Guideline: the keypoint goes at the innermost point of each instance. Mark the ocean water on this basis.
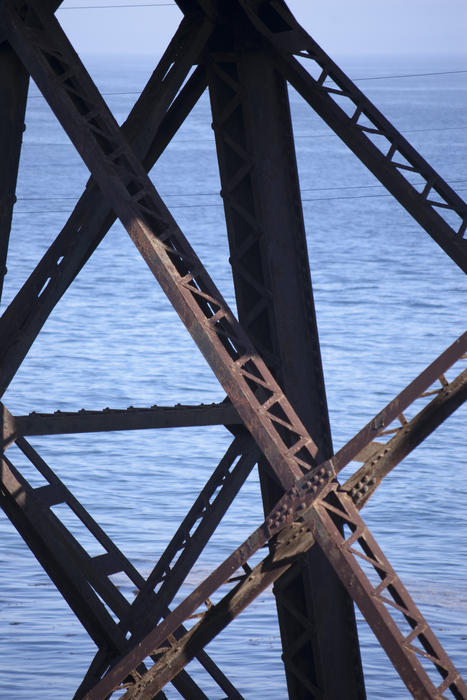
(388, 302)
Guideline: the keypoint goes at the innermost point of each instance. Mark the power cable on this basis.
(219, 204)
(296, 136)
(215, 194)
(379, 77)
(409, 75)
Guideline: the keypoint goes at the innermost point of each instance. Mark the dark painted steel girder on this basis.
(271, 273)
(352, 116)
(194, 532)
(14, 82)
(83, 421)
(80, 580)
(268, 250)
(358, 123)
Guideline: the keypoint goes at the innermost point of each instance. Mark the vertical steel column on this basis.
(14, 82)
(252, 124)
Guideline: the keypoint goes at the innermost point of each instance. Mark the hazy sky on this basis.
(341, 27)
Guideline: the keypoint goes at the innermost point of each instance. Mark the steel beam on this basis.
(449, 358)
(384, 457)
(84, 115)
(297, 450)
(193, 534)
(14, 82)
(83, 421)
(312, 511)
(394, 160)
(448, 397)
(271, 272)
(182, 552)
(58, 552)
(353, 117)
(149, 127)
(82, 578)
(254, 391)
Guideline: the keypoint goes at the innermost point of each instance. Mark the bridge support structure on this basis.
(268, 361)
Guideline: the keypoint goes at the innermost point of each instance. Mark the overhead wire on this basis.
(299, 136)
(369, 77)
(296, 136)
(219, 204)
(211, 194)
(215, 194)
(410, 75)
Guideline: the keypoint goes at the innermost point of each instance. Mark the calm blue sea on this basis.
(388, 302)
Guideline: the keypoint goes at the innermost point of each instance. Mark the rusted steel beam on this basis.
(453, 354)
(8, 432)
(184, 684)
(212, 623)
(354, 118)
(314, 510)
(447, 399)
(131, 418)
(300, 496)
(149, 129)
(84, 115)
(386, 456)
(409, 642)
(271, 273)
(14, 82)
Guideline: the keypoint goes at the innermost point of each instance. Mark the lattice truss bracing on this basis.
(244, 52)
